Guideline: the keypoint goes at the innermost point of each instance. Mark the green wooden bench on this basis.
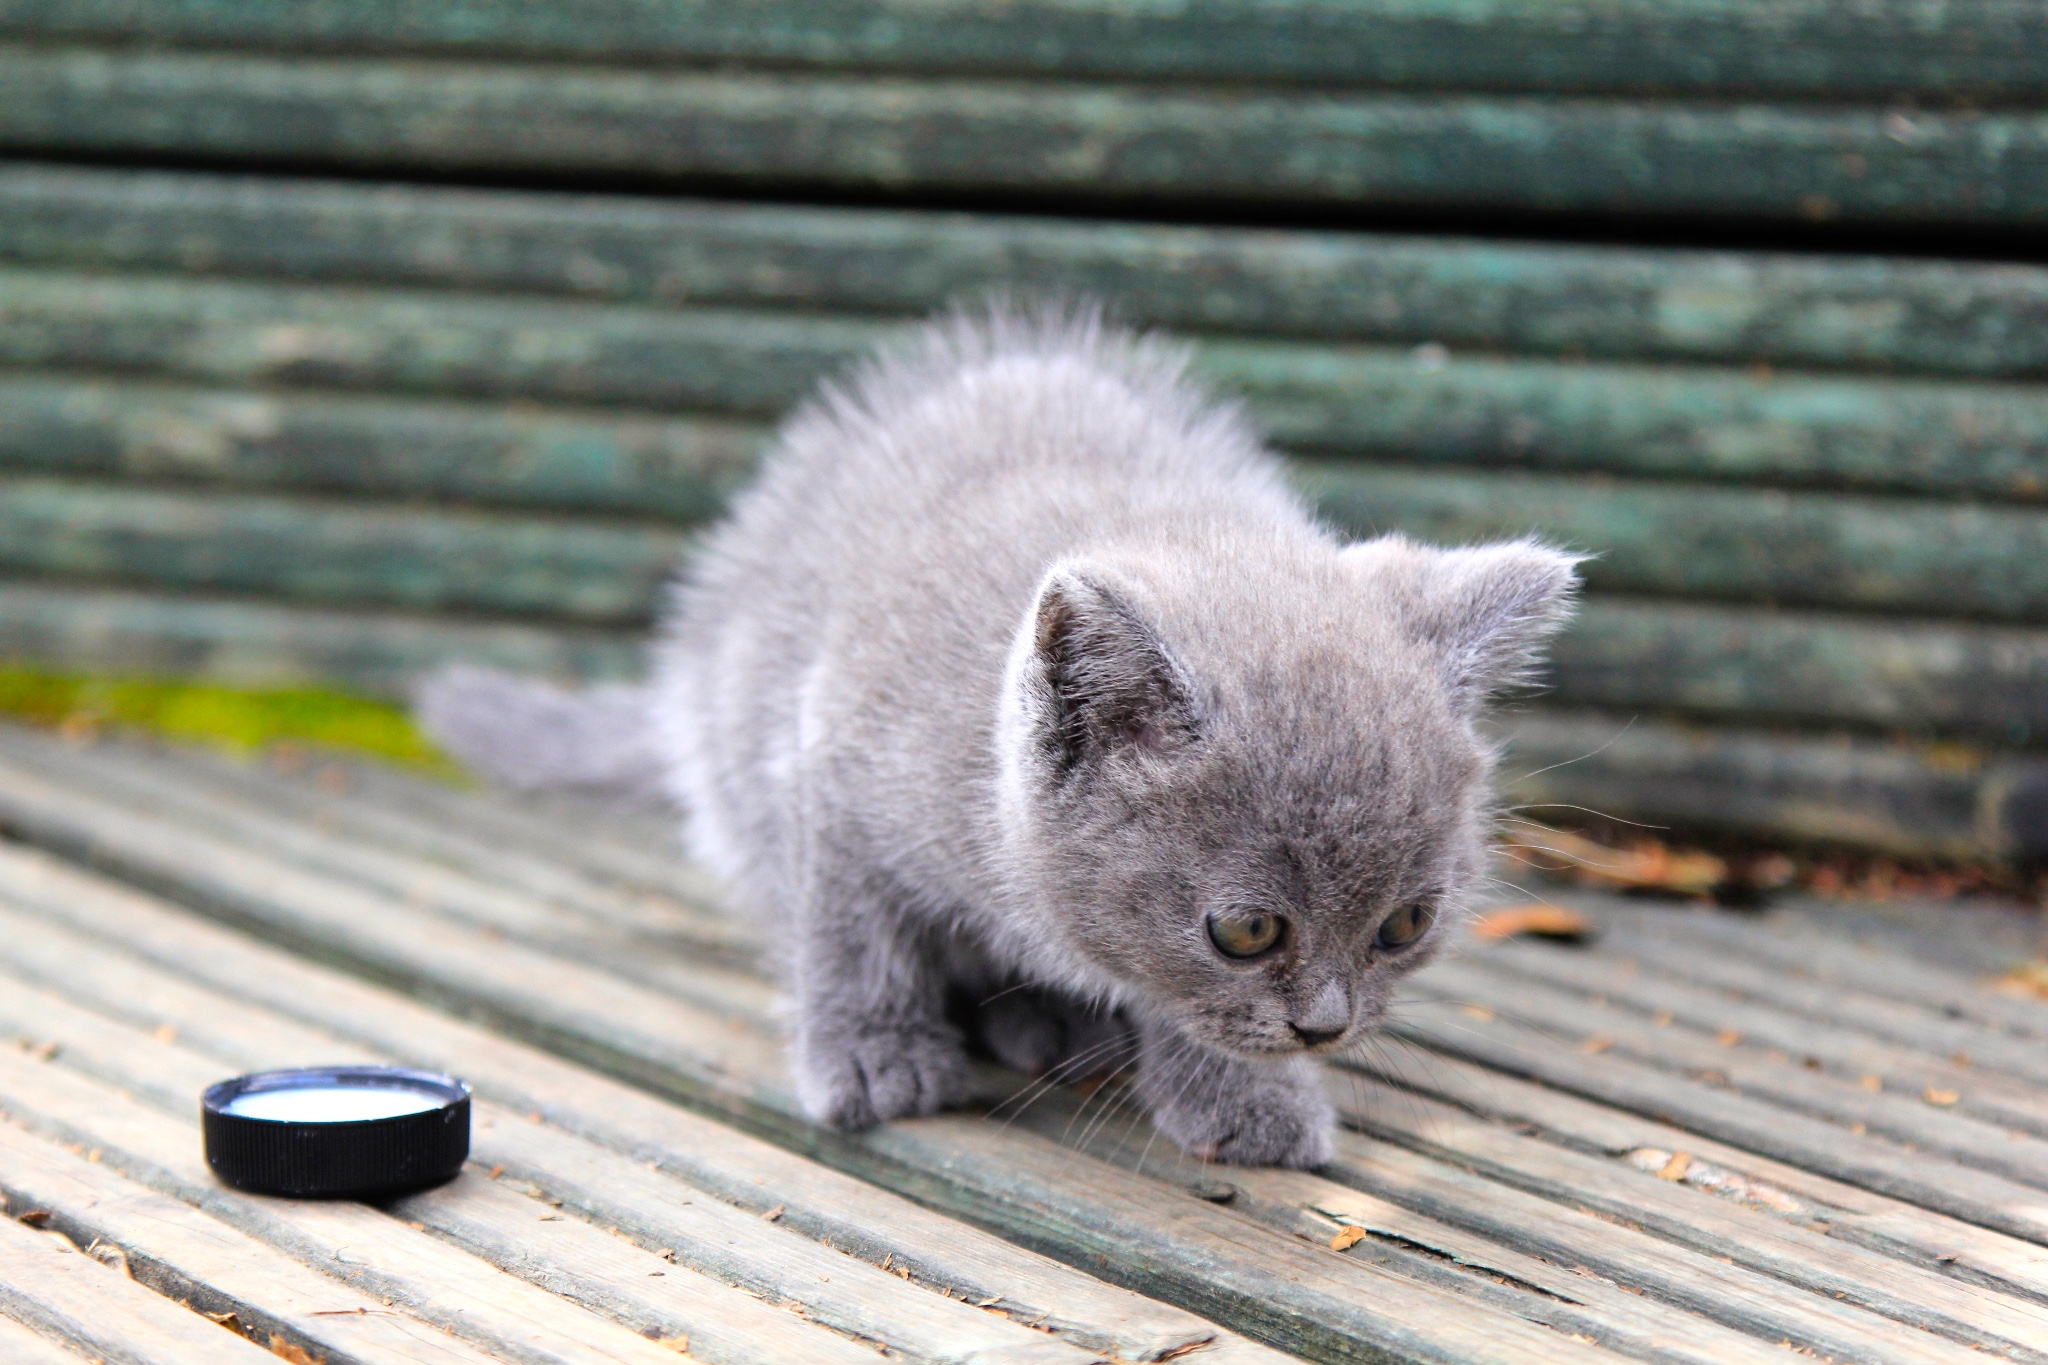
(341, 339)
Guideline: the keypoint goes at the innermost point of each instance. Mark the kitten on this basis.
(1021, 678)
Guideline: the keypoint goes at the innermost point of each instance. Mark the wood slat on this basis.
(28, 1347)
(203, 1264)
(1867, 1289)
(50, 1284)
(1927, 436)
(1100, 142)
(1812, 549)
(1952, 317)
(1983, 50)
(636, 464)
(1169, 1243)
(1916, 800)
(336, 552)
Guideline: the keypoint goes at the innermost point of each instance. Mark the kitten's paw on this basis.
(1037, 1032)
(1244, 1114)
(855, 1079)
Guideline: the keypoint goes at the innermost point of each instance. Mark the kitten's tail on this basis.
(531, 735)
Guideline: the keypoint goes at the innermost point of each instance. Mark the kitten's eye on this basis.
(1244, 933)
(1404, 926)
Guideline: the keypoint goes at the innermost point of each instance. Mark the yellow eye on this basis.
(1244, 933)
(1404, 926)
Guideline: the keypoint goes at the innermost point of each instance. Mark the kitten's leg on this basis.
(1221, 1108)
(1037, 1031)
(872, 1040)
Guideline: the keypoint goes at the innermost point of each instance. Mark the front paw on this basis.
(856, 1076)
(1248, 1115)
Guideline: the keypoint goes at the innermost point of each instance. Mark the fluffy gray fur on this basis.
(1019, 661)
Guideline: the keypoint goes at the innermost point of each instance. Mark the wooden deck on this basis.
(1708, 1138)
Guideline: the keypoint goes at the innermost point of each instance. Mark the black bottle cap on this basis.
(356, 1132)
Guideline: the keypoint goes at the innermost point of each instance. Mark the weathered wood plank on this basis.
(208, 1266)
(1938, 316)
(1941, 436)
(1978, 50)
(1759, 665)
(1169, 1243)
(1972, 1196)
(1745, 1067)
(1369, 1179)
(114, 631)
(336, 552)
(1909, 799)
(1493, 1104)
(640, 465)
(23, 1346)
(1860, 163)
(51, 1285)
(858, 1220)
(1814, 549)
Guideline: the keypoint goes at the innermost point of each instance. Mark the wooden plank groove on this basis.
(1798, 548)
(1571, 1019)
(364, 1247)
(721, 1245)
(1369, 1180)
(24, 1346)
(1979, 50)
(206, 1265)
(63, 1293)
(640, 465)
(336, 552)
(91, 628)
(2007, 1078)
(886, 133)
(1942, 317)
(1924, 435)
(1973, 1196)
(1870, 989)
(617, 1026)
(1207, 1260)
(856, 1219)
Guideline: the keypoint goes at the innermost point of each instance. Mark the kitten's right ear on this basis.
(1094, 675)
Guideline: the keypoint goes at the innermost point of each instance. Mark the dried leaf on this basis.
(35, 1218)
(1675, 1169)
(1728, 1037)
(1663, 1018)
(1541, 921)
(1597, 1045)
(227, 1320)
(1347, 1237)
(680, 1345)
(297, 1355)
(1871, 1083)
(1944, 1098)
(2026, 978)
(772, 1214)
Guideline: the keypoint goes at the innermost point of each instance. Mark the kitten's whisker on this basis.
(1611, 741)
(1059, 1074)
(1583, 810)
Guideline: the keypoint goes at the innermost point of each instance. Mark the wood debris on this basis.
(1728, 1037)
(1943, 1098)
(1348, 1236)
(1536, 920)
(1597, 1044)
(2027, 978)
(297, 1355)
(772, 1214)
(1675, 1169)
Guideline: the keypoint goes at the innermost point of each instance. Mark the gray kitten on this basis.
(1028, 698)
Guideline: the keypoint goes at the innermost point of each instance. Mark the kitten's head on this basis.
(1252, 800)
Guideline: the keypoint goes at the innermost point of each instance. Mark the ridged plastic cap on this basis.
(300, 1132)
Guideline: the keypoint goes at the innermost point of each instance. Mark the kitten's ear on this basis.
(1097, 677)
(1485, 609)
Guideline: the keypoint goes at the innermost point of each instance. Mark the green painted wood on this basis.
(1937, 801)
(83, 628)
(335, 552)
(1940, 316)
(616, 462)
(419, 342)
(1714, 423)
(1091, 142)
(1811, 549)
(1730, 663)
(1985, 49)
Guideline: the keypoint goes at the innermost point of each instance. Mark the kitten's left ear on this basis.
(1485, 609)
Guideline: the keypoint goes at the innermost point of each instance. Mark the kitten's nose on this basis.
(1326, 1017)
